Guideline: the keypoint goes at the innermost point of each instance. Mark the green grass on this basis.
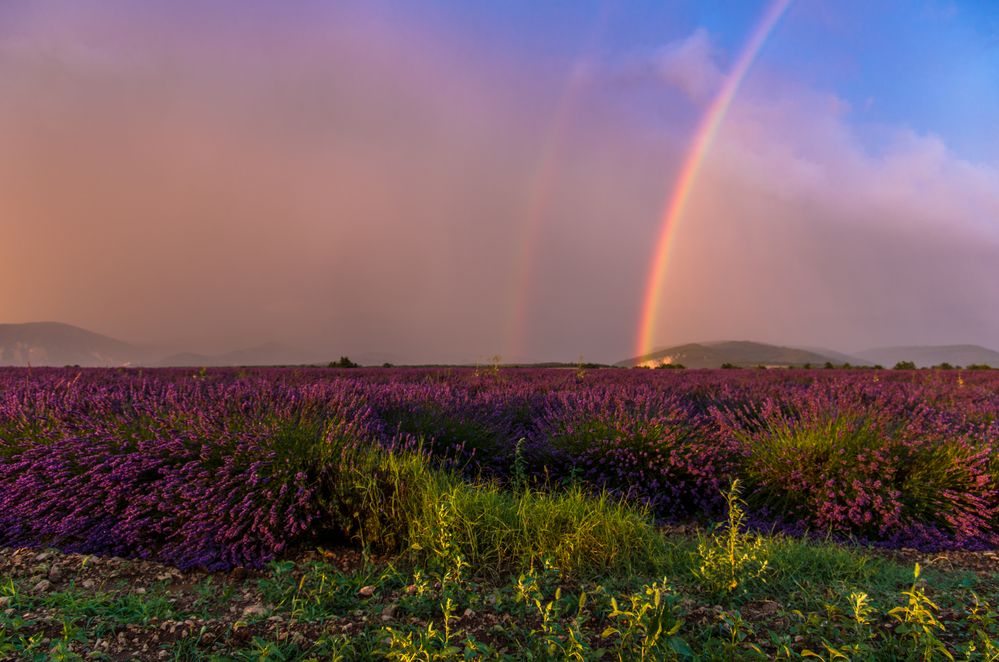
(824, 598)
(498, 533)
(398, 502)
(477, 571)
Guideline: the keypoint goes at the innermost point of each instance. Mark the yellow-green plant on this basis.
(981, 622)
(738, 644)
(828, 655)
(731, 558)
(647, 627)
(860, 607)
(918, 623)
(422, 646)
(558, 639)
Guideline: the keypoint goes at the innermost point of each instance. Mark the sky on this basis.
(453, 181)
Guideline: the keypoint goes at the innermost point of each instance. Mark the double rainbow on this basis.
(706, 133)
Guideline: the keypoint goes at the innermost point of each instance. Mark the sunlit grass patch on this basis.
(399, 502)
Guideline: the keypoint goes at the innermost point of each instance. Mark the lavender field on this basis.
(225, 468)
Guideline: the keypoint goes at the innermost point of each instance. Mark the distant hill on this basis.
(53, 343)
(266, 354)
(57, 344)
(930, 355)
(839, 358)
(738, 353)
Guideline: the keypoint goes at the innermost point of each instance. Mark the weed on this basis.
(731, 559)
(917, 621)
(518, 479)
(555, 637)
(647, 626)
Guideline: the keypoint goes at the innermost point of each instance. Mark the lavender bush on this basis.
(221, 468)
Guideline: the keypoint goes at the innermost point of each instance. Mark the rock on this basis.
(42, 586)
(366, 591)
(4, 600)
(88, 583)
(55, 574)
(43, 556)
(769, 608)
(140, 591)
(254, 610)
(388, 613)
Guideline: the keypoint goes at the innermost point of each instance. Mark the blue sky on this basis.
(927, 64)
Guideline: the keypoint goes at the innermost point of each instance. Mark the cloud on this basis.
(690, 65)
(802, 230)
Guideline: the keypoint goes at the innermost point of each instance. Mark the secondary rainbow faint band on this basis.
(706, 132)
(542, 184)
(539, 197)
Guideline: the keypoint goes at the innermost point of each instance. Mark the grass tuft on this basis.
(399, 502)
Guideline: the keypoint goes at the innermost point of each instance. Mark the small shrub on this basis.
(851, 464)
(652, 449)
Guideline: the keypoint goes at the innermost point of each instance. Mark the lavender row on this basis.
(222, 468)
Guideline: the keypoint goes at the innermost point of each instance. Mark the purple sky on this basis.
(361, 179)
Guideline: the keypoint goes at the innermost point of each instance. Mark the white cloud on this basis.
(689, 64)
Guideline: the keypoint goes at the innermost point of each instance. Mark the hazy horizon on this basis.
(453, 181)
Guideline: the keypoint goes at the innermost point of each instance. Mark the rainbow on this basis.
(705, 136)
(539, 195)
(542, 185)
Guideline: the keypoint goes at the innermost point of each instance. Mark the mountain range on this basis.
(747, 354)
(52, 343)
(923, 356)
(57, 344)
